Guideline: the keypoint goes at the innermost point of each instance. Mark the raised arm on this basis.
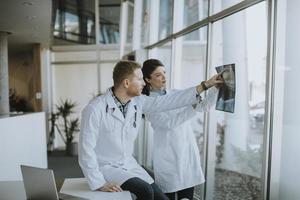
(180, 98)
(175, 118)
(171, 119)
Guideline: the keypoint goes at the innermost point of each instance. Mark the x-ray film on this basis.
(226, 96)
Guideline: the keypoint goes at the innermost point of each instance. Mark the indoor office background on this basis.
(250, 154)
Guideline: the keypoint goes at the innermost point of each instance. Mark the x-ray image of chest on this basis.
(226, 96)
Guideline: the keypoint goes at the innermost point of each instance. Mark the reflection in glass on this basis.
(109, 22)
(241, 39)
(194, 11)
(130, 23)
(129, 32)
(165, 18)
(74, 22)
(72, 26)
(145, 23)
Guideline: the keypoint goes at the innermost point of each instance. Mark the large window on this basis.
(194, 11)
(130, 23)
(165, 18)
(74, 22)
(73, 25)
(145, 23)
(109, 14)
(238, 137)
(266, 98)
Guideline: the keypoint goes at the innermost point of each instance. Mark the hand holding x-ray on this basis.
(226, 96)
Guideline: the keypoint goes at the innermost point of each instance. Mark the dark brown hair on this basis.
(149, 66)
(123, 70)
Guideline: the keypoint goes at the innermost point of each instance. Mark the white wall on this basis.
(79, 74)
(23, 141)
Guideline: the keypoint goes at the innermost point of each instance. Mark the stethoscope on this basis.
(135, 113)
(135, 116)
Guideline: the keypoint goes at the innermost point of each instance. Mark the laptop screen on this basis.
(39, 183)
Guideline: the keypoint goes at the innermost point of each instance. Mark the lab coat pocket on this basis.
(131, 133)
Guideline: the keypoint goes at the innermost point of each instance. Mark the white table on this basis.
(79, 187)
(14, 190)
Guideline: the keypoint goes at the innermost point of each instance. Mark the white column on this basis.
(123, 27)
(4, 87)
(237, 124)
(290, 163)
(154, 21)
(137, 24)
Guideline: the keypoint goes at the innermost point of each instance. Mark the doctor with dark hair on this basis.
(176, 158)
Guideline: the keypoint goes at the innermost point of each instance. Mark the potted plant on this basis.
(53, 118)
(68, 128)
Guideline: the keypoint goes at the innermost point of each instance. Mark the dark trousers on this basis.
(186, 193)
(143, 190)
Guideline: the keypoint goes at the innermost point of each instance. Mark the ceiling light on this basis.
(27, 3)
(31, 17)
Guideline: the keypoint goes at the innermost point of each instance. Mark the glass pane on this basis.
(165, 18)
(164, 54)
(71, 26)
(130, 23)
(109, 22)
(193, 58)
(145, 23)
(241, 39)
(192, 71)
(194, 11)
(129, 33)
(74, 22)
(219, 5)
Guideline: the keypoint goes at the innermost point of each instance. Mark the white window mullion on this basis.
(154, 19)
(178, 11)
(137, 23)
(123, 27)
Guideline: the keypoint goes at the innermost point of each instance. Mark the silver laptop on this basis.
(40, 184)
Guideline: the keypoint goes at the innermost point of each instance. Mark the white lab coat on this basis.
(106, 140)
(176, 157)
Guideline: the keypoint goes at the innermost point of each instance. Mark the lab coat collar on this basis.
(112, 108)
(156, 93)
(115, 111)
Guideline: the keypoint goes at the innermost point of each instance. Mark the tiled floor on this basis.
(64, 166)
(235, 186)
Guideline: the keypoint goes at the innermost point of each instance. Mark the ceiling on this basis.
(28, 21)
